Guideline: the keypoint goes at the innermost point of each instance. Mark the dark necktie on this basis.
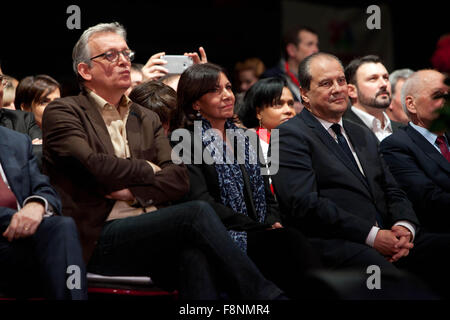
(343, 144)
(7, 198)
(345, 147)
(440, 141)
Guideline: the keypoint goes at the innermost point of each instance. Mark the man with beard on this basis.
(369, 90)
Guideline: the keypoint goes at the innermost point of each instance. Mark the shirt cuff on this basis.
(408, 225)
(48, 209)
(370, 240)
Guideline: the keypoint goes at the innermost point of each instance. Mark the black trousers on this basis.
(184, 246)
(49, 263)
(284, 256)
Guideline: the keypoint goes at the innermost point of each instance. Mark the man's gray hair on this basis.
(81, 52)
(408, 89)
(399, 75)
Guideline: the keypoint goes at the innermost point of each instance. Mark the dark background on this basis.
(35, 38)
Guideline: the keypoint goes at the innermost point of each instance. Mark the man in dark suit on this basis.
(334, 186)
(370, 94)
(37, 246)
(418, 158)
(110, 161)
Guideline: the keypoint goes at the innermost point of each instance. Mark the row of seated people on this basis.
(206, 227)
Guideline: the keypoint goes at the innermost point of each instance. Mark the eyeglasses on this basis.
(3, 80)
(113, 55)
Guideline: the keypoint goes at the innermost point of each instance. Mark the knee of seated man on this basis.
(60, 225)
(202, 212)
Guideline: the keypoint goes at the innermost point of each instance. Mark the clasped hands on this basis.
(394, 244)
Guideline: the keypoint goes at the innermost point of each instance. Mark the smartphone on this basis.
(176, 64)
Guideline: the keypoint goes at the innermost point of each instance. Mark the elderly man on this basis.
(37, 246)
(333, 185)
(111, 163)
(369, 90)
(418, 158)
(395, 110)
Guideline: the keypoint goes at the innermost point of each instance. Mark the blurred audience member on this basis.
(246, 73)
(136, 76)
(369, 90)
(395, 110)
(9, 93)
(171, 80)
(298, 43)
(34, 93)
(418, 158)
(161, 99)
(441, 56)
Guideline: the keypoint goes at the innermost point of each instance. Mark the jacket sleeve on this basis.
(34, 184)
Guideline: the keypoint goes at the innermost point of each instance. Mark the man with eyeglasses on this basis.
(37, 245)
(111, 163)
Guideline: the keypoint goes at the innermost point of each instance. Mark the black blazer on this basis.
(204, 185)
(325, 195)
(23, 122)
(351, 116)
(423, 173)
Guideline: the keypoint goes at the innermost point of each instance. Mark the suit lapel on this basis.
(351, 116)
(328, 140)
(98, 123)
(360, 147)
(428, 149)
(133, 132)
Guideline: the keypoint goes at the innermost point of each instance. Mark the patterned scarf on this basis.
(231, 181)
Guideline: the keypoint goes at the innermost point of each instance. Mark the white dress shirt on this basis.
(374, 124)
(430, 136)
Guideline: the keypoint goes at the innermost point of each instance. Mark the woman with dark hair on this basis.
(34, 93)
(267, 104)
(235, 188)
(160, 98)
